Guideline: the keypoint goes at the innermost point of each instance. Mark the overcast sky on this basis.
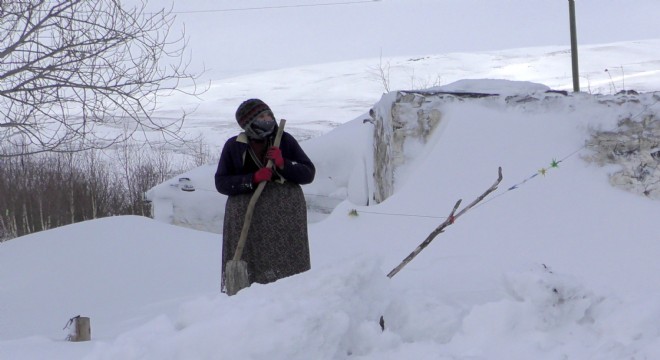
(286, 33)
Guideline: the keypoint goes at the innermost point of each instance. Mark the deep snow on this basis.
(561, 268)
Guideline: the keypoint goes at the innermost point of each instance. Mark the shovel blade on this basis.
(236, 276)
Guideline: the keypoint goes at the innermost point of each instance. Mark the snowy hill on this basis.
(316, 98)
(550, 266)
(109, 268)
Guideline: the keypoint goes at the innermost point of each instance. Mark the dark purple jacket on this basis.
(232, 179)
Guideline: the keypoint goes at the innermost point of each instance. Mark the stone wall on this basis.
(405, 116)
(635, 148)
(394, 129)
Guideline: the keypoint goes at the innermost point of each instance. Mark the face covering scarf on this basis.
(260, 129)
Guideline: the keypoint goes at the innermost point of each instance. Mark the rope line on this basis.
(400, 214)
(359, 211)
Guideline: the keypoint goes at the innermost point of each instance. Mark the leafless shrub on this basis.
(382, 73)
(47, 190)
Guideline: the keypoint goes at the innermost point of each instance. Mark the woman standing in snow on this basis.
(277, 244)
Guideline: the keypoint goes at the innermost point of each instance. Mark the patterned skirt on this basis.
(277, 244)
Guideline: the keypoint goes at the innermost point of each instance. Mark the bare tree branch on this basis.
(441, 228)
(67, 66)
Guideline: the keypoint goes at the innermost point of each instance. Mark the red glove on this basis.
(263, 174)
(274, 153)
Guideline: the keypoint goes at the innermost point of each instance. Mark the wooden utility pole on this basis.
(574, 48)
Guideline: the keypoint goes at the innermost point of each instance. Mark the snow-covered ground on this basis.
(560, 268)
(228, 41)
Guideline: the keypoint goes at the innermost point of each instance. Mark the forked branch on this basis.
(441, 228)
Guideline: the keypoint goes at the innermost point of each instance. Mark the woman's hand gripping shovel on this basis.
(236, 270)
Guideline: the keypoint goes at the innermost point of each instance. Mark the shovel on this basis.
(236, 273)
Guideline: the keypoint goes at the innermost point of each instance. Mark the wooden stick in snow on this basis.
(450, 220)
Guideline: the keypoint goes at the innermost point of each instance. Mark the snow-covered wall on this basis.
(404, 121)
(189, 200)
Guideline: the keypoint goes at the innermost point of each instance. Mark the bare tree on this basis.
(67, 66)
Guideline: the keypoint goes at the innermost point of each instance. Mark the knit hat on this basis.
(248, 110)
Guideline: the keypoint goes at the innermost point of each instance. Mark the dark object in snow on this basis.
(186, 185)
(627, 92)
(656, 155)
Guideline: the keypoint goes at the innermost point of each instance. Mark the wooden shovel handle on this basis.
(253, 201)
